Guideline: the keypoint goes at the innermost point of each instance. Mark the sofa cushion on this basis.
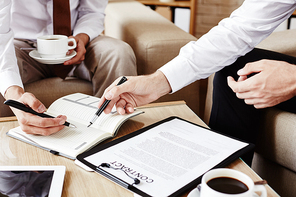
(277, 139)
(50, 89)
(275, 42)
(281, 179)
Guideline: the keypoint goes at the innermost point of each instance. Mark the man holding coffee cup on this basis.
(99, 59)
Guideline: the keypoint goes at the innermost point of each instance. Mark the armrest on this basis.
(282, 42)
(154, 39)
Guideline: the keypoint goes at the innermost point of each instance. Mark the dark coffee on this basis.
(227, 185)
(52, 39)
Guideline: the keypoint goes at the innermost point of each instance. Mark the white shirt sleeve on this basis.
(91, 15)
(9, 71)
(231, 38)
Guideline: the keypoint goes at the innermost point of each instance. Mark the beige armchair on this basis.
(275, 156)
(154, 39)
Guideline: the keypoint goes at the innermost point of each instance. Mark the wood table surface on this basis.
(79, 182)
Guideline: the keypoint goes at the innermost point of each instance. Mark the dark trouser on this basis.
(231, 115)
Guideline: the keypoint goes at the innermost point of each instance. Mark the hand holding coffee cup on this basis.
(225, 182)
(54, 46)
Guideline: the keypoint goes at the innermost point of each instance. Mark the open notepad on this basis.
(79, 109)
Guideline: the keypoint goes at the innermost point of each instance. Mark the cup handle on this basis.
(199, 187)
(74, 43)
(262, 189)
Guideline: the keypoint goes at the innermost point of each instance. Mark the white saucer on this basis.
(35, 55)
(196, 193)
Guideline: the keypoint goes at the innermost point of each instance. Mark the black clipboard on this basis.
(190, 185)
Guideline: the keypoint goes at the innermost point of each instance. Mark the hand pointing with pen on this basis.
(137, 91)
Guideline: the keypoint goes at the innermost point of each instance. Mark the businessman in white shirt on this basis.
(100, 59)
(247, 79)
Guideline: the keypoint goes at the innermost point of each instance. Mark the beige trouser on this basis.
(106, 59)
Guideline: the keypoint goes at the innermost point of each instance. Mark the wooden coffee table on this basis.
(79, 182)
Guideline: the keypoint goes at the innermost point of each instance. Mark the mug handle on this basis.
(74, 43)
(262, 189)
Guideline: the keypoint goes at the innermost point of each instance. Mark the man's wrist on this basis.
(83, 37)
(162, 83)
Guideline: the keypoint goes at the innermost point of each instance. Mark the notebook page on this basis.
(78, 107)
(81, 108)
(70, 141)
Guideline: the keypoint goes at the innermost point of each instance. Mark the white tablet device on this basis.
(32, 180)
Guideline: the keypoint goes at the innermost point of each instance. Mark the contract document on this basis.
(167, 156)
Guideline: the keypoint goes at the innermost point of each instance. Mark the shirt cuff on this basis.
(93, 32)
(8, 79)
(179, 73)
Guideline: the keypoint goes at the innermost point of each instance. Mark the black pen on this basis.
(106, 102)
(25, 108)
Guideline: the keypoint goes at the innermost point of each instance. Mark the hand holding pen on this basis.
(137, 91)
(33, 124)
(105, 104)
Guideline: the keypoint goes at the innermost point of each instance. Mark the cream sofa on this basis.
(154, 39)
(275, 157)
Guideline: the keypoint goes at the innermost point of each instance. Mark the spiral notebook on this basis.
(163, 159)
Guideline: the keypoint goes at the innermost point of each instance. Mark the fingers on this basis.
(233, 84)
(109, 95)
(80, 55)
(129, 108)
(120, 106)
(33, 124)
(242, 91)
(258, 103)
(69, 52)
(118, 95)
(109, 107)
(30, 100)
(112, 102)
(253, 67)
(242, 78)
(114, 91)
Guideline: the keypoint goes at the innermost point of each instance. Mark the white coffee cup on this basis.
(207, 191)
(54, 46)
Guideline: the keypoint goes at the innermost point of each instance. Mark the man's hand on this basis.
(81, 40)
(136, 91)
(274, 82)
(30, 123)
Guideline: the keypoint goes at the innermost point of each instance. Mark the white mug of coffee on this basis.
(225, 182)
(54, 46)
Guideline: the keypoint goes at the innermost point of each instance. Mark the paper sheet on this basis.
(168, 156)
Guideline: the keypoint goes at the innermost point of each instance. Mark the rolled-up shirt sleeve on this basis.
(231, 38)
(9, 71)
(91, 15)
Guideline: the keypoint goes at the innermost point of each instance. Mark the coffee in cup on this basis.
(225, 182)
(54, 46)
(227, 185)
